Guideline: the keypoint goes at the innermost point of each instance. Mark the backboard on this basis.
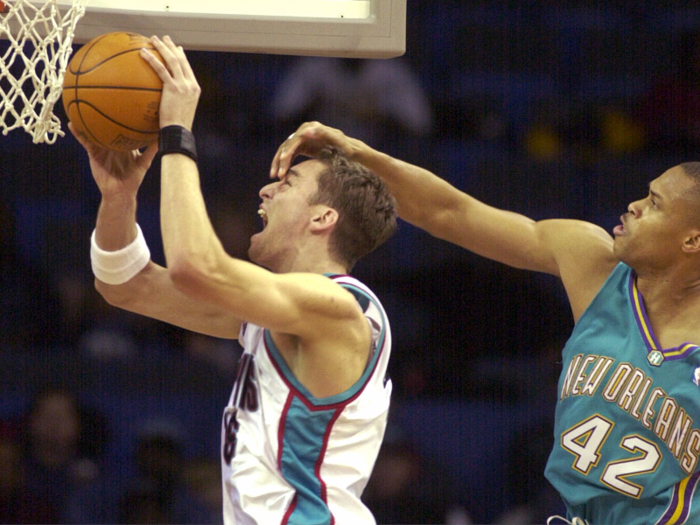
(344, 28)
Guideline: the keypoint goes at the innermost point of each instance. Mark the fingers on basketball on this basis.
(111, 94)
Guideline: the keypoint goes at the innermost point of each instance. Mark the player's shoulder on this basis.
(350, 283)
(584, 229)
(579, 242)
(359, 290)
(585, 258)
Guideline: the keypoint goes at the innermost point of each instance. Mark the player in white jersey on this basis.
(291, 457)
(308, 410)
(611, 466)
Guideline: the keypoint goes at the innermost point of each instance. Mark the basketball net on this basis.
(33, 66)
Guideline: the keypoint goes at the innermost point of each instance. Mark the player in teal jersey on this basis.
(627, 420)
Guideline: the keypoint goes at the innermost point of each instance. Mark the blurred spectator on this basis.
(583, 131)
(406, 488)
(203, 478)
(29, 301)
(159, 494)
(87, 322)
(108, 334)
(671, 109)
(18, 504)
(85, 319)
(63, 442)
(534, 499)
(367, 99)
(223, 354)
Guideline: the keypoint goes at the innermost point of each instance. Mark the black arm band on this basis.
(177, 139)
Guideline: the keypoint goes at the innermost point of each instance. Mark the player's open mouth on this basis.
(263, 216)
(620, 228)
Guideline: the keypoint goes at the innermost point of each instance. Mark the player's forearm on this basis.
(115, 226)
(187, 232)
(197, 262)
(434, 205)
(423, 198)
(117, 257)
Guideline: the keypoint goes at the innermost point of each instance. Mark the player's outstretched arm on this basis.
(431, 203)
(197, 262)
(150, 291)
(118, 176)
(579, 253)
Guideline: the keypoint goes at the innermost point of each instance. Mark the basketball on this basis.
(111, 94)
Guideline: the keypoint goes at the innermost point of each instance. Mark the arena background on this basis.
(543, 107)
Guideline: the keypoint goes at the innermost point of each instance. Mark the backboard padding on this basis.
(343, 28)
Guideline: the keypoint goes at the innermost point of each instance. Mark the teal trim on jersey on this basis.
(302, 447)
(343, 396)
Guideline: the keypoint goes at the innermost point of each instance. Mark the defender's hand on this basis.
(308, 140)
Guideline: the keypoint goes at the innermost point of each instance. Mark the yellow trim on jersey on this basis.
(640, 315)
(680, 506)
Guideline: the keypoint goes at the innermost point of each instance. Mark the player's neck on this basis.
(669, 295)
(672, 307)
(311, 263)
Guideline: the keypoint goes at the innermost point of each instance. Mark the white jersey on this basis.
(291, 458)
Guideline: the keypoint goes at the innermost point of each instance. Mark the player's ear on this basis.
(691, 244)
(324, 219)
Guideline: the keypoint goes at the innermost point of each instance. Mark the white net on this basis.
(33, 64)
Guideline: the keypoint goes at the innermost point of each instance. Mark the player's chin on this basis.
(255, 248)
(619, 250)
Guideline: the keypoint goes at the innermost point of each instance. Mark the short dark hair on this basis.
(692, 170)
(366, 209)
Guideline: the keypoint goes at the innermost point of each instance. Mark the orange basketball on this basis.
(111, 94)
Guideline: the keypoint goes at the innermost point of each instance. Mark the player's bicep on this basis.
(500, 235)
(293, 303)
(304, 304)
(584, 258)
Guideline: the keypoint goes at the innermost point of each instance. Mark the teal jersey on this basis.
(627, 422)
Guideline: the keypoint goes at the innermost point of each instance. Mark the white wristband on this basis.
(119, 266)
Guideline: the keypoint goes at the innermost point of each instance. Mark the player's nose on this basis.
(267, 191)
(634, 208)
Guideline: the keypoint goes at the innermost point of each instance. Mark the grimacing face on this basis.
(286, 214)
(54, 428)
(654, 227)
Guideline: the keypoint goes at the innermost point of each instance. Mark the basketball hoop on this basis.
(33, 66)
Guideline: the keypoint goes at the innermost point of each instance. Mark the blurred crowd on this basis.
(485, 102)
(53, 470)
